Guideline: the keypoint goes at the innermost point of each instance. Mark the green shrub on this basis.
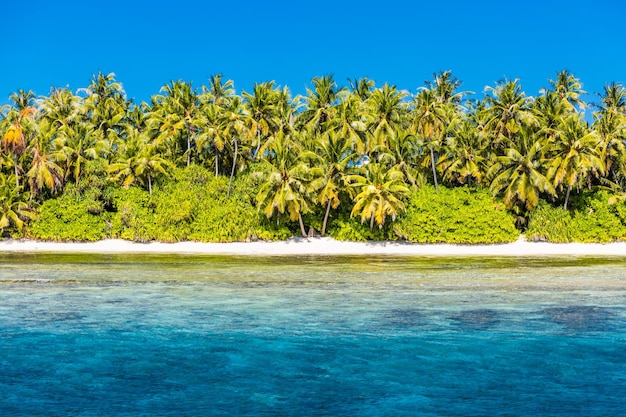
(71, 217)
(457, 215)
(133, 215)
(549, 223)
(593, 217)
(351, 229)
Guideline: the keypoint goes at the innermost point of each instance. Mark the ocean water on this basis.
(140, 335)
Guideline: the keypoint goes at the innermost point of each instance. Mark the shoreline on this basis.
(317, 246)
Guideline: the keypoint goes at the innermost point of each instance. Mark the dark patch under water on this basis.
(581, 317)
(477, 318)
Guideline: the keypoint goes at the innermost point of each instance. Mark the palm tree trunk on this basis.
(232, 171)
(258, 146)
(432, 162)
(301, 225)
(569, 189)
(150, 184)
(372, 222)
(326, 218)
(217, 161)
(17, 178)
(188, 145)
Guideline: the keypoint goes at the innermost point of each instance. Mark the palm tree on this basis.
(568, 89)
(211, 132)
(351, 121)
(402, 152)
(14, 209)
(285, 181)
(73, 147)
(445, 86)
(44, 172)
(234, 127)
(385, 107)
(574, 155)
(430, 118)
(61, 108)
(463, 158)
(610, 125)
(218, 92)
(262, 114)
(380, 190)
(508, 112)
(175, 114)
(20, 116)
(139, 160)
(361, 87)
(519, 172)
(334, 156)
(105, 108)
(320, 104)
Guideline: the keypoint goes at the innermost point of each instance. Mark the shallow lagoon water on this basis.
(129, 335)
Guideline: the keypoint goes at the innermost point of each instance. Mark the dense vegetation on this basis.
(358, 162)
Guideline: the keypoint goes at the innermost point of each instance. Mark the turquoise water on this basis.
(85, 335)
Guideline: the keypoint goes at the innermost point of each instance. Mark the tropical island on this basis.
(355, 163)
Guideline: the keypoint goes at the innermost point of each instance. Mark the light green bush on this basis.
(457, 215)
(593, 217)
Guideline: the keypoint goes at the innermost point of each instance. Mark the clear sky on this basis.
(148, 43)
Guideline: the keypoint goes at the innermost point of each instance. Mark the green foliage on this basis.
(458, 215)
(594, 217)
(349, 228)
(74, 216)
(133, 217)
(549, 223)
(267, 229)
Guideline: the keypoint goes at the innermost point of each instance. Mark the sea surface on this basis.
(164, 335)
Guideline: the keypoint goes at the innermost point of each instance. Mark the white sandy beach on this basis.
(320, 246)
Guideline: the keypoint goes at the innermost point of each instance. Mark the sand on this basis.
(320, 246)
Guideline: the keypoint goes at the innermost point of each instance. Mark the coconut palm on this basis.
(61, 108)
(334, 157)
(211, 135)
(105, 108)
(174, 114)
(610, 125)
(519, 174)
(320, 104)
(262, 113)
(73, 147)
(139, 160)
(445, 86)
(44, 172)
(508, 111)
(463, 159)
(429, 120)
(21, 119)
(402, 152)
(234, 127)
(386, 109)
(362, 87)
(574, 155)
(351, 121)
(568, 89)
(218, 91)
(14, 208)
(379, 192)
(285, 178)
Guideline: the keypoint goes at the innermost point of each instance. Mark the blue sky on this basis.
(149, 43)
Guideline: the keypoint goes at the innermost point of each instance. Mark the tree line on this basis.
(363, 147)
